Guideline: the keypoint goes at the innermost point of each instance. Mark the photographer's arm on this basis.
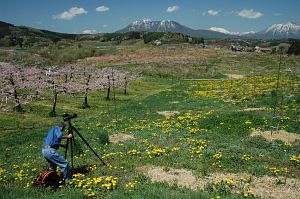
(69, 136)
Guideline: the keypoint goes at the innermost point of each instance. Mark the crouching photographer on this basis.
(50, 146)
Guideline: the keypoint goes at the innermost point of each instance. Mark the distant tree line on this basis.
(147, 37)
(25, 37)
(168, 37)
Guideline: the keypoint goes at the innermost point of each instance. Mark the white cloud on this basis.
(213, 12)
(104, 26)
(172, 9)
(89, 32)
(102, 9)
(250, 14)
(72, 12)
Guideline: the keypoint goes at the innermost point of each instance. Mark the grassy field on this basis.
(184, 130)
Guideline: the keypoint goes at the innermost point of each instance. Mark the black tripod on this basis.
(71, 141)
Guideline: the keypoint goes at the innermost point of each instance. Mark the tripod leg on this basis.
(88, 145)
(66, 151)
(72, 154)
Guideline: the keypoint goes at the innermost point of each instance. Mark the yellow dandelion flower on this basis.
(248, 122)
(229, 182)
(217, 155)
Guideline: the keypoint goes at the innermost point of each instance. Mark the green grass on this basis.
(215, 124)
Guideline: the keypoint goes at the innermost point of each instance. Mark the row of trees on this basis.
(23, 84)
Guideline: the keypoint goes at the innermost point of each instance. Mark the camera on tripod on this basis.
(71, 142)
(68, 117)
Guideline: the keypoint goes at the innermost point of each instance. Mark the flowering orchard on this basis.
(24, 84)
(19, 83)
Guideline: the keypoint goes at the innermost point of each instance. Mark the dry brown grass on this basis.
(116, 138)
(168, 113)
(144, 55)
(235, 76)
(257, 109)
(265, 187)
(277, 135)
(180, 177)
(174, 102)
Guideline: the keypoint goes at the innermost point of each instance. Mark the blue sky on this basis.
(93, 16)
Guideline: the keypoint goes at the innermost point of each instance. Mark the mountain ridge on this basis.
(276, 31)
(288, 30)
(171, 26)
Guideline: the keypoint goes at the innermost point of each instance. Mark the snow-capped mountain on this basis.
(225, 31)
(276, 31)
(284, 28)
(158, 26)
(170, 26)
(154, 26)
(288, 30)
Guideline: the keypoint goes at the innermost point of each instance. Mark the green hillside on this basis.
(11, 35)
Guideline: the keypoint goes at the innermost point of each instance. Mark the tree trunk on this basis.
(18, 106)
(85, 104)
(125, 86)
(108, 89)
(54, 91)
(54, 102)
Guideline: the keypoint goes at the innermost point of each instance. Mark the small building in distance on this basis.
(157, 42)
(264, 50)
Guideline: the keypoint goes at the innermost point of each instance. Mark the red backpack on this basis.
(48, 178)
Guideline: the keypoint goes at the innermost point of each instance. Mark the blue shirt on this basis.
(53, 138)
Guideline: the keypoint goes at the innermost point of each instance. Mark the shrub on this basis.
(85, 105)
(294, 48)
(52, 114)
(274, 93)
(103, 137)
(152, 36)
(298, 99)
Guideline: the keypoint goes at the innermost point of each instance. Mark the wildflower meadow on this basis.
(181, 123)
